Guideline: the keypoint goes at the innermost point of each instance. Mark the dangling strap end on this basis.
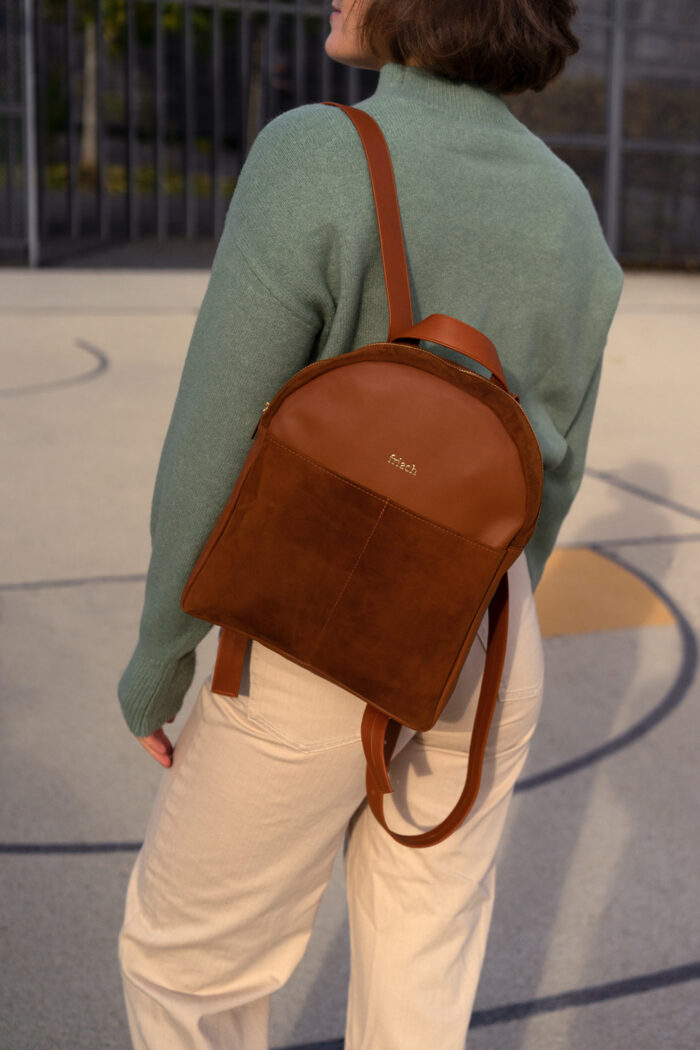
(229, 662)
(379, 736)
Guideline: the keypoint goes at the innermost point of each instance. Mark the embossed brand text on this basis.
(396, 461)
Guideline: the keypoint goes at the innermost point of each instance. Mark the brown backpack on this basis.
(385, 495)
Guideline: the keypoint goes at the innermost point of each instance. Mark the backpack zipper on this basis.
(319, 364)
(255, 429)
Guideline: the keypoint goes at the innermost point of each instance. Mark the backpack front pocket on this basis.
(400, 622)
(284, 555)
(345, 581)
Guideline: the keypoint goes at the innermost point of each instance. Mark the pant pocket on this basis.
(298, 707)
(514, 722)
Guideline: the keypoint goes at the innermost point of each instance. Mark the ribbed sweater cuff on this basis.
(151, 691)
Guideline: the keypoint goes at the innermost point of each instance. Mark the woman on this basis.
(264, 788)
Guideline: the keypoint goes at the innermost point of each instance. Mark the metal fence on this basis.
(123, 119)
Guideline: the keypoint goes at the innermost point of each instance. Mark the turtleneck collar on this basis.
(422, 87)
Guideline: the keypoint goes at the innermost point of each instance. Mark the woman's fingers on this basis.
(158, 746)
(162, 757)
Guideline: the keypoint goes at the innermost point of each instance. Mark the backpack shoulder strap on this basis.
(380, 732)
(381, 173)
(438, 328)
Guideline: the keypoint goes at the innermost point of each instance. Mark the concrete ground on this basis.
(596, 934)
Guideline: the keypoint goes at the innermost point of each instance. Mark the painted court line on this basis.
(638, 490)
(60, 384)
(675, 695)
(598, 993)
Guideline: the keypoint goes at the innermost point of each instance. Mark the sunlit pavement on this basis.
(596, 933)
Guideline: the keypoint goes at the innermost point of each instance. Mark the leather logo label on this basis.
(396, 461)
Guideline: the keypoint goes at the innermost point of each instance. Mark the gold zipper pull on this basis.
(267, 405)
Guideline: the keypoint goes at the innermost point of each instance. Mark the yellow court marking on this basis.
(582, 591)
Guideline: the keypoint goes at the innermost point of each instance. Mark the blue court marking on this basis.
(78, 581)
(101, 366)
(673, 698)
(639, 490)
(597, 993)
(26, 848)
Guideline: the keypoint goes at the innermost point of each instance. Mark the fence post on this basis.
(614, 127)
(30, 152)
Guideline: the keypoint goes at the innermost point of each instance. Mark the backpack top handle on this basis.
(437, 328)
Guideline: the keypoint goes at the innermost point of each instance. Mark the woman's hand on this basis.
(158, 745)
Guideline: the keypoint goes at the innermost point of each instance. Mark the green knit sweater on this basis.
(499, 233)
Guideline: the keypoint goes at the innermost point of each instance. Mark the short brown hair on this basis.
(504, 46)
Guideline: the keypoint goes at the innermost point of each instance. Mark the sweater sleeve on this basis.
(563, 481)
(260, 318)
(570, 368)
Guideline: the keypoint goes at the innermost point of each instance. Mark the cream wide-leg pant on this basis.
(243, 835)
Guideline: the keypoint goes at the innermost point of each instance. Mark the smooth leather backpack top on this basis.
(385, 495)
